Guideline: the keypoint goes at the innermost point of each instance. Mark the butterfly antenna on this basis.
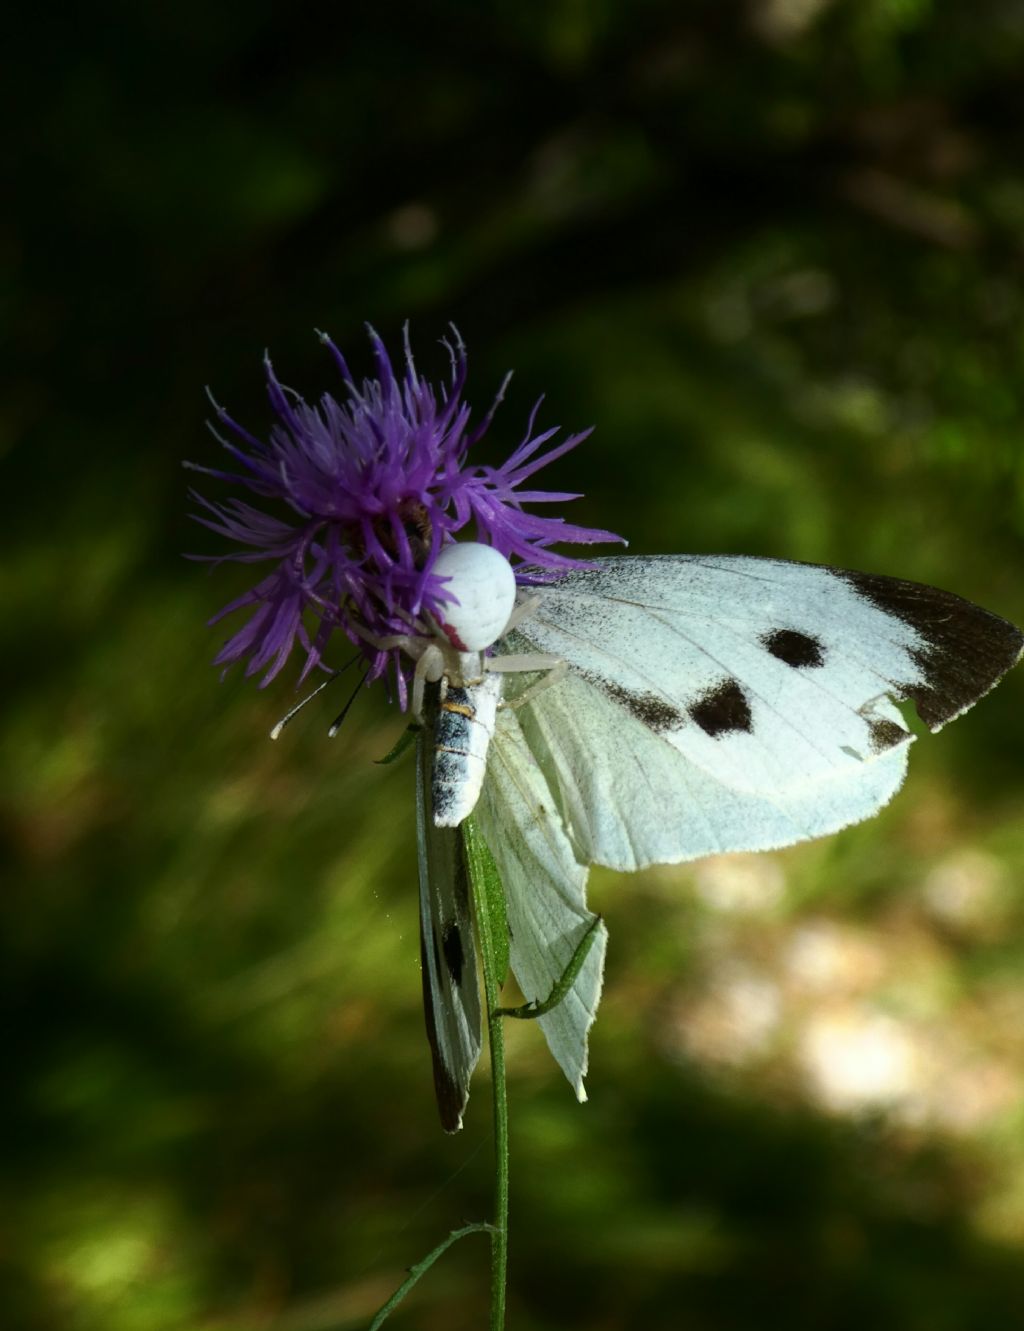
(276, 732)
(339, 720)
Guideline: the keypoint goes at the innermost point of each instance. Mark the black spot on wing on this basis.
(965, 649)
(794, 648)
(723, 710)
(884, 734)
(453, 954)
(654, 712)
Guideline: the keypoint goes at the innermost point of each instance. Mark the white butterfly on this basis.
(694, 705)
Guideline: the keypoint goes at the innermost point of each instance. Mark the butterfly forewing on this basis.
(732, 703)
(451, 990)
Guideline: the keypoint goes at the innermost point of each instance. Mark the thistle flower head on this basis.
(374, 486)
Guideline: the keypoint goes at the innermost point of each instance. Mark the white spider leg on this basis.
(522, 610)
(521, 663)
(413, 644)
(468, 668)
(429, 667)
(527, 663)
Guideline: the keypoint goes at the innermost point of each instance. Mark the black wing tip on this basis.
(966, 649)
(451, 1096)
(451, 1099)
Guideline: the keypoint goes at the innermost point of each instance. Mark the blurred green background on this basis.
(774, 252)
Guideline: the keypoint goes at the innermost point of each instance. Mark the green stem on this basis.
(499, 1225)
(488, 901)
(492, 924)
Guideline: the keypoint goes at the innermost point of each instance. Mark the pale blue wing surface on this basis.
(545, 889)
(731, 703)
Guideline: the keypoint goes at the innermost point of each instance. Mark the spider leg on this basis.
(429, 667)
(521, 611)
(413, 644)
(555, 668)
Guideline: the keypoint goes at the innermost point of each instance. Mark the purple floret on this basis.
(376, 485)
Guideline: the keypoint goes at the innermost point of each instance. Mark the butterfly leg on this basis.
(529, 662)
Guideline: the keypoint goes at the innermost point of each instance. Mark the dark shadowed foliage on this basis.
(772, 250)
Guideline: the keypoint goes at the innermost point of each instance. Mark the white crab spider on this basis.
(483, 609)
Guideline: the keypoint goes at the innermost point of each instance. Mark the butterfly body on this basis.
(462, 731)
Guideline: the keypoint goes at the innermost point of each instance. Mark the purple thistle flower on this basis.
(376, 485)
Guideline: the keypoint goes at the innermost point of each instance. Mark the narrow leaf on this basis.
(489, 895)
(421, 1268)
(562, 986)
(405, 739)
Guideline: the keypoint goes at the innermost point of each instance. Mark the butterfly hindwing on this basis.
(451, 988)
(733, 703)
(545, 889)
(627, 800)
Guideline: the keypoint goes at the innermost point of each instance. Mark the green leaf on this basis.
(421, 1268)
(405, 739)
(538, 1007)
(489, 895)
